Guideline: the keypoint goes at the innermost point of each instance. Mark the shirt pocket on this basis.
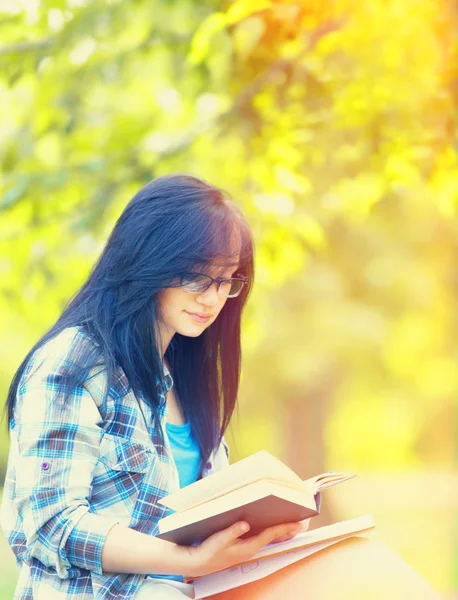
(120, 454)
(119, 476)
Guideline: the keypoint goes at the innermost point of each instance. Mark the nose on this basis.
(210, 297)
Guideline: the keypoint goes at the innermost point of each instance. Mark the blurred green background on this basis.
(333, 123)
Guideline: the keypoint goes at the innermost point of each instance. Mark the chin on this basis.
(192, 330)
(187, 327)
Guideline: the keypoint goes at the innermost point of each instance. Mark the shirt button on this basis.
(208, 466)
(45, 466)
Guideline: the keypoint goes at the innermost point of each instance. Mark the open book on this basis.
(259, 489)
(274, 557)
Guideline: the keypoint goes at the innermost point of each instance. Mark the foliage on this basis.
(332, 124)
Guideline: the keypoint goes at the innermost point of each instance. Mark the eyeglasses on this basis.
(197, 283)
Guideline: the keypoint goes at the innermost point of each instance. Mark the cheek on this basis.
(170, 301)
(221, 304)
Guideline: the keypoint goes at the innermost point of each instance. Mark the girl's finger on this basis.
(284, 538)
(226, 537)
(272, 533)
(289, 536)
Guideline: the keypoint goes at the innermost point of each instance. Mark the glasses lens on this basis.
(195, 283)
(199, 283)
(234, 288)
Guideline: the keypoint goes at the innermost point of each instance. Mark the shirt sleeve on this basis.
(58, 448)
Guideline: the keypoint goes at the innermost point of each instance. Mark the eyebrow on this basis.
(227, 272)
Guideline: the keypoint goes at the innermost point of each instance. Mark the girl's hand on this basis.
(225, 548)
(289, 536)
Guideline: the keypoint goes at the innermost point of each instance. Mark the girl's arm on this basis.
(56, 447)
(129, 551)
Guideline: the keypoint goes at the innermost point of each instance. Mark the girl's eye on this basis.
(226, 286)
(195, 282)
(200, 280)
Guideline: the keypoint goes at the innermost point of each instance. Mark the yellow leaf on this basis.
(247, 35)
(244, 8)
(310, 231)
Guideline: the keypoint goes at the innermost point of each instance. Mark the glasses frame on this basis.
(212, 281)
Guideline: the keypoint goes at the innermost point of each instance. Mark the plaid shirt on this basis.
(77, 469)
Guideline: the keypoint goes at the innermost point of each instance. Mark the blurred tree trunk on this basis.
(305, 426)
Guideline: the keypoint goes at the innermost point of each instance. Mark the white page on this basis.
(339, 529)
(243, 574)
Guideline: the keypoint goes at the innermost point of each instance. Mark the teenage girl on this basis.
(126, 398)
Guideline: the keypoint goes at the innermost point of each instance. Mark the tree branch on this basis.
(26, 46)
(251, 90)
(279, 65)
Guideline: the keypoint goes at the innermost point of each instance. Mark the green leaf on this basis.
(14, 193)
(202, 39)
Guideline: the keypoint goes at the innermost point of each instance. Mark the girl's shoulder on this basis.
(70, 340)
(69, 350)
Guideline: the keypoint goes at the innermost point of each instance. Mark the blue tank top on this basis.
(186, 454)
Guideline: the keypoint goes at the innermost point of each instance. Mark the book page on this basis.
(246, 573)
(259, 466)
(324, 481)
(321, 534)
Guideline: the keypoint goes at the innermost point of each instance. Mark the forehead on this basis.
(222, 270)
(227, 261)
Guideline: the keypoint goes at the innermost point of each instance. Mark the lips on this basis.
(199, 317)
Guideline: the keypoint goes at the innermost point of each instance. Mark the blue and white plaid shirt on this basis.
(77, 469)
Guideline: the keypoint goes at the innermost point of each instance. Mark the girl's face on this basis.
(191, 313)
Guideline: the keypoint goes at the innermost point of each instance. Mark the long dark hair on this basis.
(174, 225)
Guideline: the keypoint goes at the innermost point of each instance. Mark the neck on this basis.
(164, 338)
